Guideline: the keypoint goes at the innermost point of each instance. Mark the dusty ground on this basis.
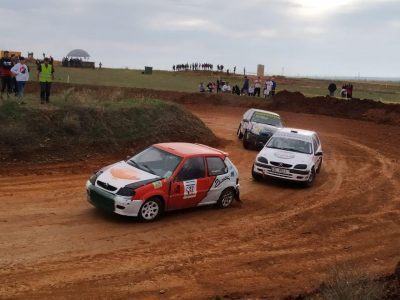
(280, 241)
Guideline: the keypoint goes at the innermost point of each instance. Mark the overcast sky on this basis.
(296, 37)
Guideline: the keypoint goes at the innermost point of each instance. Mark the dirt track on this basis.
(280, 241)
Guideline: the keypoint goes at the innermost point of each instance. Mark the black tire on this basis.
(239, 132)
(256, 176)
(226, 198)
(311, 179)
(319, 167)
(246, 143)
(151, 209)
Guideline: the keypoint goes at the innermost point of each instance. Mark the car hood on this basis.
(121, 174)
(284, 156)
(260, 128)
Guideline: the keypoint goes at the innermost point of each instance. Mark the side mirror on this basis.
(245, 120)
(319, 153)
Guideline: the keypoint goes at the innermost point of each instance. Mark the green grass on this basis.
(189, 81)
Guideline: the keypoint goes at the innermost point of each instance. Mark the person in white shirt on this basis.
(268, 88)
(21, 73)
(257, 86)
(226, 88)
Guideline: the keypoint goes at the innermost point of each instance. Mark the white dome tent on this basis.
(77, 58)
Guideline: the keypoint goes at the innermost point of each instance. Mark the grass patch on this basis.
(79, 123)
(189, 81)
(345, 283)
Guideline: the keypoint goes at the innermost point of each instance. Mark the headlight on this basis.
(262, 160)
(93, 178)
(125, 191)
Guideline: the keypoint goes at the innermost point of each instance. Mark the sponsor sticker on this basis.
(157, 184)
(219, 181)
(190, 189)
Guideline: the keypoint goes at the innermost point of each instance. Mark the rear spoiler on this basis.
(222, 152)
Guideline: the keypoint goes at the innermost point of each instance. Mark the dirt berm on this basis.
(78, 131)
(356, 109)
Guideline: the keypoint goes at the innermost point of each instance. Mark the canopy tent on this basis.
(78, 53)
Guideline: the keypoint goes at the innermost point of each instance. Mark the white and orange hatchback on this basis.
(163, 177)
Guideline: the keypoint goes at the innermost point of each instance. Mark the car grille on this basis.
(106, 186)
(101, 201)
(280, 164)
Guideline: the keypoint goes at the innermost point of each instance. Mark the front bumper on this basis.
(283, 173)
(110, 202)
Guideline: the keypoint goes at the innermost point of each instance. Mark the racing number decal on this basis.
(190, 189)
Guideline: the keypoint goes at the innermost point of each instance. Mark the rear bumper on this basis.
(290, 174)
(109, 202)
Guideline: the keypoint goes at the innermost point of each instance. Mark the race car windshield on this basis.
(155, 161)
(289, 144)
(264, 118)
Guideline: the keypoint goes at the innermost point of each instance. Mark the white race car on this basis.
(257, 126)
(291, 154)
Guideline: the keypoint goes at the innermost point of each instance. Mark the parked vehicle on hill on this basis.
(291, 154)
(257, 126)
(164, 177)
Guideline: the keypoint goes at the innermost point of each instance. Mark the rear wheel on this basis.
(150, 210)
(226, 198)
(239, 132)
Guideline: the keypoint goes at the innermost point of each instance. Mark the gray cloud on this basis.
(302, 36)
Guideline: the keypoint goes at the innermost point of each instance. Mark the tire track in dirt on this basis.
(280, 241)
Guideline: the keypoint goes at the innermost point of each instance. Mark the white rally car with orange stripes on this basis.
(164, 177)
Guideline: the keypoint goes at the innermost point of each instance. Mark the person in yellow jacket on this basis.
(45, 76)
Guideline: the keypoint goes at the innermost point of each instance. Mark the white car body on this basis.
(256, 132)
(289, 164)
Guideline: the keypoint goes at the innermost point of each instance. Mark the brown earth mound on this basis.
(357, 109)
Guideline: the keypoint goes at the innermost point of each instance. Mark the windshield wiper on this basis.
(148, 169)
(133, 163)
(294, 150)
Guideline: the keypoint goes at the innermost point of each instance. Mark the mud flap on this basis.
(237, 195)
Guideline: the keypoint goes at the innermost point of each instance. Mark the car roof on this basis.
(264, 111)
(189, 149)
(295, 133)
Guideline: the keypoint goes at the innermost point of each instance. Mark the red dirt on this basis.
(280, 241)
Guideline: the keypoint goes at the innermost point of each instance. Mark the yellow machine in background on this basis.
(11, 53)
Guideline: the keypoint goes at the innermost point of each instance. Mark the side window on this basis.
(315, 144)
(216, 166)
(193, 168)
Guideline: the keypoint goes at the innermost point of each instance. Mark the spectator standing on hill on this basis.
(349, 90)
(202, 89)
(14, 88)
(100, 64)
(45, 76)
(21, 73)
(5, 74)
(273, 87)
(245, 88)
(332, 88)
(257, 86)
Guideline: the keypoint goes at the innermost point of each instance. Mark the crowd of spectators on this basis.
(72, 62)
(201, 67)
(249, 88)
(345, 92)
(193, 67)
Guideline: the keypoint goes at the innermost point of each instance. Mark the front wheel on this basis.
(239, 132)
(311, 178)
(226, 198)
(246, 143)
(150, 210)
